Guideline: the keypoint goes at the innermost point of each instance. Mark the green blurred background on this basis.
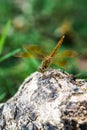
(39, 22)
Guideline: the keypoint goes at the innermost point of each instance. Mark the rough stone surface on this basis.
(53, 101)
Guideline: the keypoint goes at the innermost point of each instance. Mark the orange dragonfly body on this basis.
(46, 62)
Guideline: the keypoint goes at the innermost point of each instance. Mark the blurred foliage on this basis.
(39, 22)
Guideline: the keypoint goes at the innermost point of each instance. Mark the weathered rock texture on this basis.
(53, 101)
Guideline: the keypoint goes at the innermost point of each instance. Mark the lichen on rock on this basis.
(54, 100)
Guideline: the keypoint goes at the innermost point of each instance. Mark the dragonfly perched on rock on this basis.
(35, 52)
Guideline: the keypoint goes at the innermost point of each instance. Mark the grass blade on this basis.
(4, 34)
(9, 55)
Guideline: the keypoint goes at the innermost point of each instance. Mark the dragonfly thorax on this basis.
(45, 64)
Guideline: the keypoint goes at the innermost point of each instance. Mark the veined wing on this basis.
(33, 48)
(67, 54)
(62, 59)
(24, 55)
(62, 63)
(31, 51)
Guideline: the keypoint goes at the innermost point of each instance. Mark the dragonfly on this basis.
(48, 60)
(34, 52)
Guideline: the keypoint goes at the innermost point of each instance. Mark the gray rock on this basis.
(54, 100)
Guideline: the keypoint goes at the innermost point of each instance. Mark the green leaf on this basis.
(4, 34)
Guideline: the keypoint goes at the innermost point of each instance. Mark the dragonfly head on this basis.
(41, 69)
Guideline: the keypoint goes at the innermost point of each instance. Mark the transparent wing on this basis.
(62, 63)
(67, 54)
(63, 59)
(31, 51)
(24, 55)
